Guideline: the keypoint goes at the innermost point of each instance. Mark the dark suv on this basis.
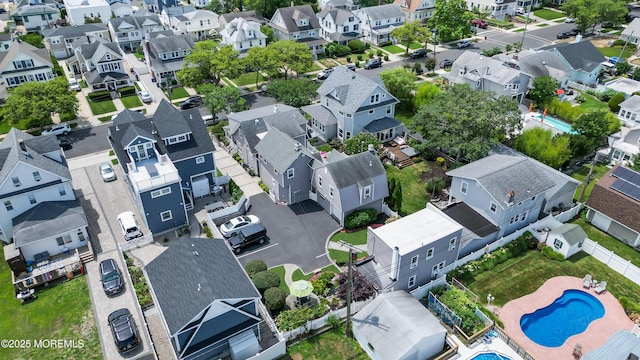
(124, 330)
(420, 53)
(110, 277)
(373, 63)
(254, 233)
(191, 102)
(563, 35)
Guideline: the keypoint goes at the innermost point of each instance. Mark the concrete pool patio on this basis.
(596, 334)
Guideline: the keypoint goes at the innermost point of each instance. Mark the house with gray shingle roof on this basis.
(379, 21)
(208, 305)
(537, 63)
(623, 148)
(129, 32)
(101, 65)
(483, 73)
(583, 59)
(167, 160)
(629, 112)
(199, 24)
(165, 53)
(35, 15)
(339, 4)
(249, 15)
(339, 25)
(631, 32)
(624, 343)
(39, 212)
(62, 41)
(23, 62)
(121, 9)
(567, 239)
(298, 23)
(417, 10)
(350, 104)
(243, 35)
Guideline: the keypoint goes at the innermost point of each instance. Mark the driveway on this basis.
(297, 234)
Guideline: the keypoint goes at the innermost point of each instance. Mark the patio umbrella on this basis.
(301, 288)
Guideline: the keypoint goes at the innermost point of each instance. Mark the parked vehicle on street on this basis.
(574, 32)
(107, 172)
(59, 129)
(250, 234)
(569, 20)
(563, 35)
(110, 277)
(74, 85)
(142, 92)
(124, 330)
(463, 44)
(324, 74)
(420, 53)
(351, 67)
(129, 226)
(479, 23)
(191, 102)
(615, 59)
(232, 226)
(446, 63)
(373, 63)
(64, 143)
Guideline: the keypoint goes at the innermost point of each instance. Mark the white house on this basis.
(22, 63)
(497, 9)
(379, 21)
(339, 25)
(78, 11)
(130, 31)
(62, 41)
(566, 239)
(121, 9)
(631, 33)
(417, 10)
(200, 24)
(35, 15)
(623, 147)
(629, 110)
(243, 35)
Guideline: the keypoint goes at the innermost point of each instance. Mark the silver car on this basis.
(107, 172)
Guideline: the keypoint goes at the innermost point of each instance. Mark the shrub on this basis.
(360, 218)
(434, 185)
(99, 96)
(275, 298)
(379, 52)
(619, 42)
(384, 43)
(614, 102)
(357, 64)
(386, 58)
(606, 95)
(356, 46)
(254, 266)
(322, 285)
(348, 58)
(265, 279)
(292, 319)
(127, 90)
(264, 187)
(550, 254)
(629, 305)
(334, 321)
(370, 55)
(440, 161)
(359, 57)
(457, 301)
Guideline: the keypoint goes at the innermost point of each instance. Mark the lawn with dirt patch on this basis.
(581, 175)
(548, 14)
(621, 249)
(330, 345)
(412, 178)
(328, 63)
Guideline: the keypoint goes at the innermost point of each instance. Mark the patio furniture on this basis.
(487, 339)
(601, 287)
(577, 351)
(586, 281)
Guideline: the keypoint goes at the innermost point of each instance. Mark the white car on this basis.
(74, 85)
(59, 129)
(145, 96)
(107, 173)
(464, 44)
(569, 20)
(231, 227)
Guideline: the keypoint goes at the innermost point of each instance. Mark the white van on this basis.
(129, 225)
(142, 92)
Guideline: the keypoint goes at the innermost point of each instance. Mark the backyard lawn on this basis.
(248, 79)
(342, 257)
(548, 14)
(404, 117)
(62, 311)
(131, 101)
(615, 51)
(414, 193)
(593, 104)
(621, 249)
(101, 107)
(416, 46)
(354, 238)
(394, 49)
(329, 345)
(581, 175)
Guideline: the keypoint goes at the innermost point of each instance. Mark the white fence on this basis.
(609, 258)
(569, 214)
(422, 291)
(216, 217)
(387, 210)
(136, 243)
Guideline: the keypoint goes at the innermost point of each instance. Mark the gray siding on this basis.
(187, 168)
(152, 207)
(288, 190)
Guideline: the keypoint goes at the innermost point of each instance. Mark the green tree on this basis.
(392, 186)
(542, 145)
(623, 67)
(293, 92)
(264, 280)
(614, 102)
(589, 132)
(408, 33)
(291, 56)
(359, 143)
(430, 64)
(259, 60)
(635, 163)
(636, 73)
(543, 90)
(425, 93)
(451, 18)
(207, 62)
(397, 196)
(466, 122)
(275, 298)
(37, 101)
(589, 13)
(227, 98)
(268, 32)
(400, 82)
(369, 3)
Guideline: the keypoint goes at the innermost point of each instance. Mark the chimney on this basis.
(510, 196)
(371, 149)
(275, 108)
(578, 38)
(297, 146)
(23, 147)
(256, 121)
(117, 128)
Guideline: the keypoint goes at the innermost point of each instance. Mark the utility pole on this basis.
(588, 179)
(349, 284)
(526, 21)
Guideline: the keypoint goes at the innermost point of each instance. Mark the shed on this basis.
(567, 239)
(397, 326)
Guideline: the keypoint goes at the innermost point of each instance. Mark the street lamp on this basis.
(434, 33)
(490, 298)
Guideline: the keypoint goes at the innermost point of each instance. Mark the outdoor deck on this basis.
(394, 152)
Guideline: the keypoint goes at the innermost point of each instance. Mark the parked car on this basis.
(250, 234)
(110, 277)
(373, 63)
(479, 23)
(64, 143)
(569, 20)
(574, 32)
(420, 53)
(129, 226)
(59, 129)
(191, 102)
(418, 70)
(464, 44)
(446, 63)
(615, 59)
(324, 74)
(212, 120)
(74, 85)
(563, 35)
(232, 226)
(350, 67)
(107, 172)
(3, 11)
(124, 330)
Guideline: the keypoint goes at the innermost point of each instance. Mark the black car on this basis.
(251, 234)
(350, 67)
(418, 70)
(110, 277)
(574, 32)
(191, 102)
(420, 53)
(446, 63)
(124, 330)
(64, 143)
(563, 35)
(373, 63)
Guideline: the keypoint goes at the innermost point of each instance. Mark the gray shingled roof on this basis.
(292, 13)
(382, 124)
(36, 9)
(99, 48)
(381, 12)
(279, 150)
(191, 274)
(501, 174)
(581, 56)
(358, 168)
(249, 15)
(633, 102)
(339, 16)
(46, 219)
(136, 21)
(619, 346)
(572, 233)
(542, 63)
(478, 66)
(238, 28)
(320, 113)
(21, 47)
(74, 31)
(165, 44)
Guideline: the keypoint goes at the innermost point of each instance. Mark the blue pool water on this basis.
(568, 315)
(490, 356)
(558, 124)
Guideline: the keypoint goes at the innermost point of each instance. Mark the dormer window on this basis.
(16, 181)
(303, 22)
(36, 176)
(366, 192)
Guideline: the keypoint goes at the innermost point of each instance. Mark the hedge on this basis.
(385, 43)
(275, 298)
(360, 218)
(99, 96)
(127, 90)
(550, 254)
(265, 279)
(254, 266)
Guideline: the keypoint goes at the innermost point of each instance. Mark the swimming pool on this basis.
(568, 315)
(558, 124)
(490, 356)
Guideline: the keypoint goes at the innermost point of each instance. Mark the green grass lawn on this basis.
(281, 271)
(105, 118)
(24, 124)
(621, 249)
(178, 93)
(581, 175)
(62, 311)
(404, 116)
(592, 103)
(101, 107)
(615, 51)
(298, 275)
(353, 238)
(131, 101)
(248, 79)
(342, 257)
(523, 275)
(543, 25)
(518, 30)
(414, 193)
(416, 46)
(330, 345)
(393, 49)
(314, 67)
(548, 14)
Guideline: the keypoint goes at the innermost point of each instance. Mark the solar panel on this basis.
(627, 188)
(627, 175)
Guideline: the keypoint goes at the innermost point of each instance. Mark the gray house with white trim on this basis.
(379, 21)
(61, 41)
(164, 54)
(298, 23)
(101, 64)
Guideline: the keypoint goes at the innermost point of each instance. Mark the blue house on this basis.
(168, 161)
(583, 59)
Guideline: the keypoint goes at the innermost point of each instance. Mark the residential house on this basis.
(624, 344)
(622, 148)
(379, 21)
(167, 160)
(249, 15)
(247, 128)
(629, 111)
(412, 250)
(200, 4)
(208, 305)
(623, 85)
(129, 32)
(614, 204)
(509, 191)
(538, 63)
(583, 58)
(62, 41)
(339, 4)
(23, 62)
(199, 24)
(35, 15)
(566, 239)
(101, 64)
(417, 10)
(339, 25)
(156, 6)
(40, 213)
(395, 325)
(121, 9)
(164, 54)
(350, 104)
(477, 230)
(631, 33)
(484, 73)
(243, 35)
(497, 9)
(79, 11)
(298, 23)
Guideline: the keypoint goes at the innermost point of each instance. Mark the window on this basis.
(32, 198)
(60, 241)
(331, 191)
(36, 176)
(579, 244)
(67, 238)
(523, 217)
(367, 192)
(463, 187)
(161, 192)
(290, 173)
(375, 98)
(429, 253)
(493, 207)
(81, 236)
(320, 181)
(412, 281)
(557, 243)
(414, 261)
(16, 181)
(533, 198)
(166, 215)
(199, 159)
(8, 205)
(452, 244)
(372, 111)
(62, 191)
(388, 109)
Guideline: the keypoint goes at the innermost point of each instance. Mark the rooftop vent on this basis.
(276, 109)
(257, 121)
(297, 146)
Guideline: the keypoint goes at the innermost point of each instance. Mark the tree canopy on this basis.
(452, 19)
(400, 82)
(293, 92)
(227, 98)
(425, 93)
(543, 90)
(208, 62)
(259, 59)
(589, 13)
(589, 132)
(467, 123)
(410, 32)
(359, 143)
(542, 145)
(291, 56)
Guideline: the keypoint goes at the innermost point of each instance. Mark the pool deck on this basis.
(597, 333)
